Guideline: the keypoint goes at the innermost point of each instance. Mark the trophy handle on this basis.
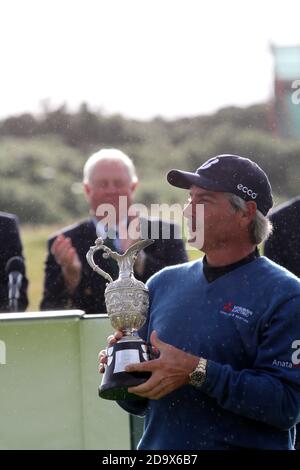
(99, 245)
(125, 261)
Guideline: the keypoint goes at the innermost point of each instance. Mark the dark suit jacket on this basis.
(10, 245)
(89, 295)
(283, 246)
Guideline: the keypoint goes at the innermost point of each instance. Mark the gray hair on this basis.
(260, 228)
(111, 155)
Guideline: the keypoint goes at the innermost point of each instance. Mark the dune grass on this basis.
(34, 240)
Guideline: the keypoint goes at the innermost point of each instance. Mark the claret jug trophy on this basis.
(127, 303)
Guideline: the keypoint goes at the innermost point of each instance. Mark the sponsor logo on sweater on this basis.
(236, 311)
(294, 363)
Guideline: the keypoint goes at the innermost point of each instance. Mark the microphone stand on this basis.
(13, 305)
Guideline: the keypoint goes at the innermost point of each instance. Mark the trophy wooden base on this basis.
(115, 380)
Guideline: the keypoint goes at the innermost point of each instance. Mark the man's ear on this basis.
(87, 190)
(134, 186)
(252, 208)
(248, 215)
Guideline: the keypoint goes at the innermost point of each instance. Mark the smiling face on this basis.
(108, 181)
(220, 225)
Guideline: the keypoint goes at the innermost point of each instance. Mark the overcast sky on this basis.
(141, 58)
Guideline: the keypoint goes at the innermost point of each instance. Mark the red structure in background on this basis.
(285, 116)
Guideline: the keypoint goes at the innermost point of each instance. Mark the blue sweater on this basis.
(247, 324)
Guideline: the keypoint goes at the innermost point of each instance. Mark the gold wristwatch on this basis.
(198, 376)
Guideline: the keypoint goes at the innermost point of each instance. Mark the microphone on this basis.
(15, 270)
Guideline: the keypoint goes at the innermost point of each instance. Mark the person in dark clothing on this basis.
(226, 327)
(69, 280)
(283, 246)
(10, 246)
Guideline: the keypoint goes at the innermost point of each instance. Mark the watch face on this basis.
(197, 377)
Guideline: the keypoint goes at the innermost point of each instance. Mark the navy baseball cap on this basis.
(229, 174)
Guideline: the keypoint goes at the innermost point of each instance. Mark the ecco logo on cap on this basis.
(246, 190)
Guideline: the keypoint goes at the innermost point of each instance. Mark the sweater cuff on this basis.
(213, 371)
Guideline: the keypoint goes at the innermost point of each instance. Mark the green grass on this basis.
(35, 249)
(35, 243)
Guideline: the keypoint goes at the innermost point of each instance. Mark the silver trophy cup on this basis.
(127, 302)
